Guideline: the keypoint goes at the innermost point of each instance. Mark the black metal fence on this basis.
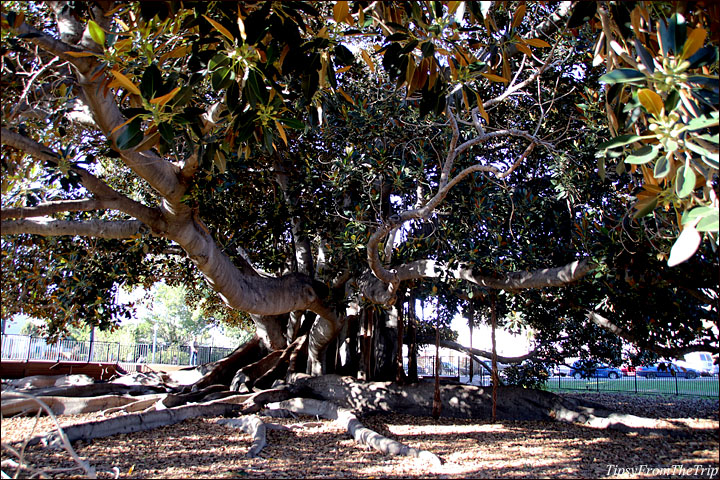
(458, 367)
(27, 348)
(704, 386)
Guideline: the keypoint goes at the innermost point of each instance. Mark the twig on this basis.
(82, 464)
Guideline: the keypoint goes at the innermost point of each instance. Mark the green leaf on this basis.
(643, 155)
(710, 138)
(428, 49)
(709, 223)
(222, 77)
(685, 246)
(662, 168)
(151, 82)
(645, 56)
(219, 60)
(699, 123)
(619, 141)
(131, 135)
(702, 151)
(684, 181)
(97, 33)
(292, 123)
(672, 100)
(697, 212)
(622, 75)
(166, 132)
(677, 31)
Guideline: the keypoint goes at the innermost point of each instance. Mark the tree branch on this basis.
(482, 353)
(546, 277)
(55, 47)
(106, 197)
(92, 228)
(49, 208)
(671, 352)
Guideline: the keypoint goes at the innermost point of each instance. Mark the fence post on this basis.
(597, 382)
(676, 385)
(635, 382)
(29, 349)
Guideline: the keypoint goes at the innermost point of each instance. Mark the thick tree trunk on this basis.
(384, 344)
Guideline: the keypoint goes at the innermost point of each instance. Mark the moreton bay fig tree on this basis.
(313, 167)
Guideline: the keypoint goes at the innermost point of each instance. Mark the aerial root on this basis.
(345, 417)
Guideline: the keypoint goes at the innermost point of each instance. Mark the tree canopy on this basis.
(301, 164)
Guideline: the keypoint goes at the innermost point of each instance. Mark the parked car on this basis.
(561, 370)
(667, 369)
(702, 362)
(584, 369)
(628, 370)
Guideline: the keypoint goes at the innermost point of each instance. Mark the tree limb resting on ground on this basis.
(361, 434)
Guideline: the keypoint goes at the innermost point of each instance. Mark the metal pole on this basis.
(635, 381)
(154, 341)
(676, 385)
(29, 349)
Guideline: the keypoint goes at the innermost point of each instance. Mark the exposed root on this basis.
(223, 370)
(137, 406)
(137, 422)
(252, 425)
(62, 440)
(63, 405)
(357, 430)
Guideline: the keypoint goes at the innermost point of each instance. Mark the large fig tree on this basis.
(301, 163)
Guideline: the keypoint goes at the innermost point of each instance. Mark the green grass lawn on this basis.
(703, 386)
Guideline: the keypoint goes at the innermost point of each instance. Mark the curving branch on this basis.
(378, 291)
(55, 47)
(161, 174)
(482, 353)
(671, 352)
(119, 229)
(390, 276)
(105, 196)
(546, 277)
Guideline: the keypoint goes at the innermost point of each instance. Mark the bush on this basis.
(528, 374)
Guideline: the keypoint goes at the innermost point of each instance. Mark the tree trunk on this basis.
(399, 370)
(471, 323)
(384, 344)
(412, 342)
(437, 402)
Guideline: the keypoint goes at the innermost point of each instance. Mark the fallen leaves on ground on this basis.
(202, 448)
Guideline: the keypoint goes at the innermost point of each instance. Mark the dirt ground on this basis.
(202, 448)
